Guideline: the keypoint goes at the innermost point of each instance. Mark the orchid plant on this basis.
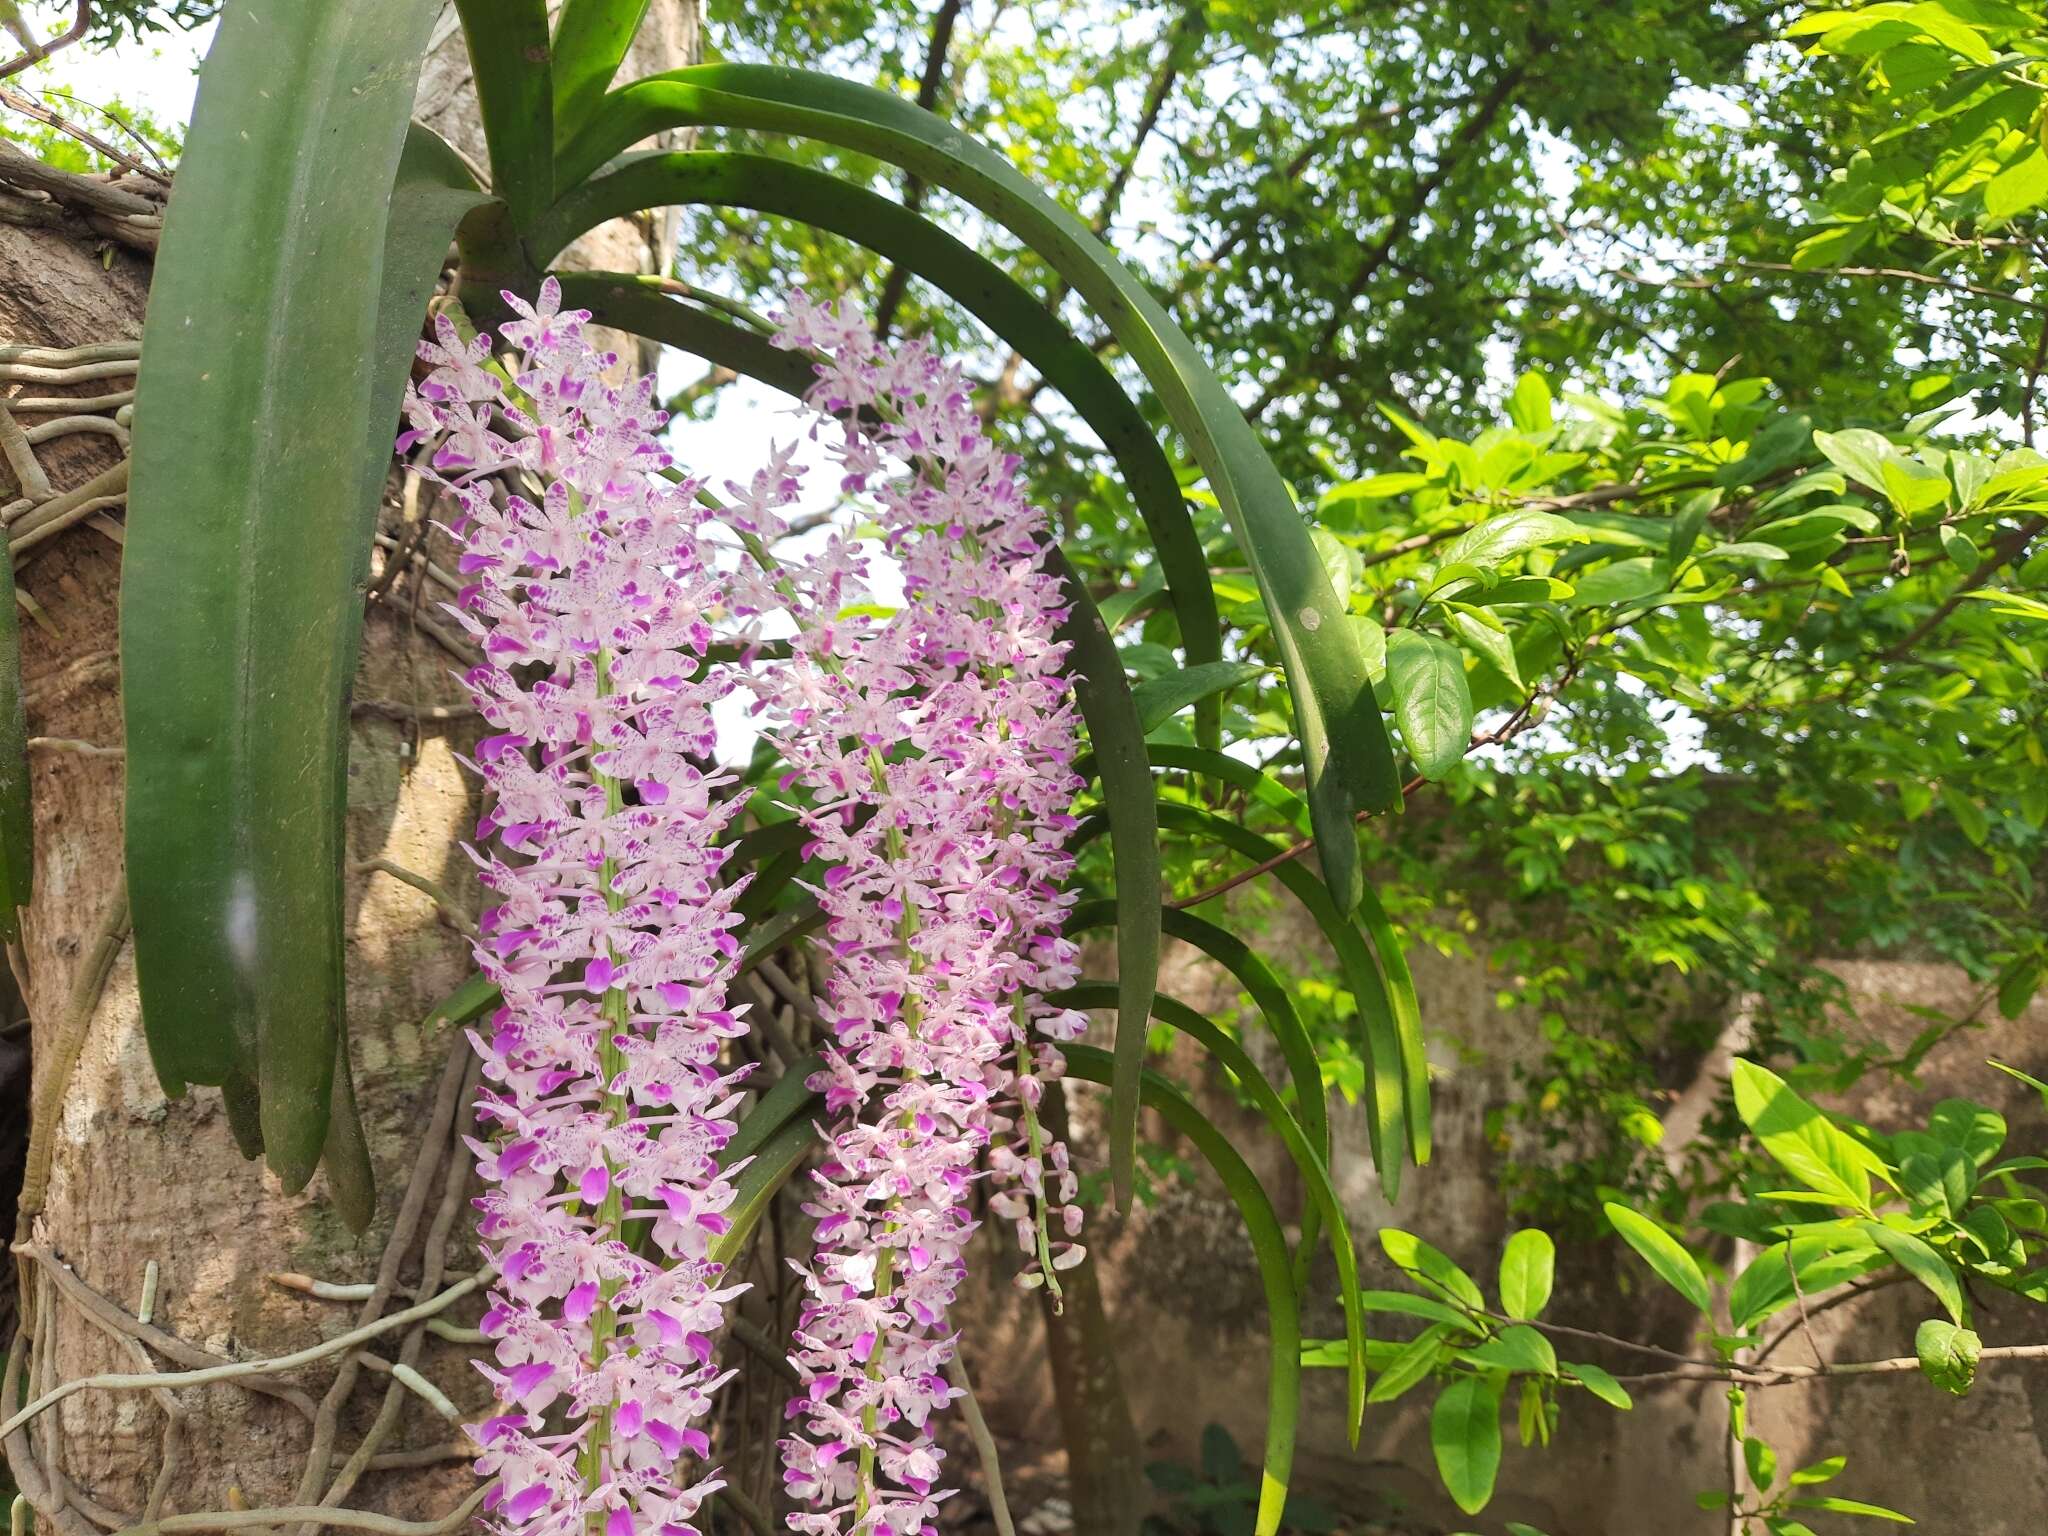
(945, 764)
(934, 752)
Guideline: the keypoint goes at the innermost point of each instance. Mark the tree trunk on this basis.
(1105, 1462)
(127, 1191)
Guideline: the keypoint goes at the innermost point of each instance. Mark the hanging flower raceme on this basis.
(611, 939)
(936, 747)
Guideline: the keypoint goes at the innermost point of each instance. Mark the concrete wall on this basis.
(1185, 1300)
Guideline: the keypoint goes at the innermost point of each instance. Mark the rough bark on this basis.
(135, 1177)
(1105, 1461)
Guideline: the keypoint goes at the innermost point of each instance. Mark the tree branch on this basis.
(2005, 549)
(897, 279)
(1469, 134)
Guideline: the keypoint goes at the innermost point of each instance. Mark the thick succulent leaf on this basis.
(1346, 755)
(991, 295)
(1269, 1245)
(345, 1154)
(631, 303)
(249, 528)
(591, 39)
(1393, 961)
(779, 1158)
(1268, 993)
(510, 56)
(789, 1101)
(1118, 741)
(1315, 1172)
(1385, 1101)
(17, 831)
(771, 933)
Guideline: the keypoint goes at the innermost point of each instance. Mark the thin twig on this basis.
(984, 1446)
(28, 106)
(446, 904)
(37, 52)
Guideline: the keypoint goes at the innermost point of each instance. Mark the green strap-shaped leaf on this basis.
(1346, 756)
(1400, 981)
(778, 1158)
(789, 1100)
(17, 829)
(510, 56)
(1118, 741)
(984, 289)
(1315, 1173)
(629, 302)
(274, 371)
(1268, 993)
(771, 933)
(1269, 1245)
(591, 39)
(1385, 1100)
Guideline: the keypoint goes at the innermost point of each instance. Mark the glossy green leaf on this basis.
(17, 830)
(1432, 1267)
(2020, 186)
(1347, 759)
(1805, 1143)
(1416, 1359)
(1528, 1267)
(1663, 1253)
(1520, 1348)
(1464, 1432)
(1837, 1506)
(1922, 1263)
(1406, 1304)
(591, 40)
(1159, 699)
(1269, 1247)
(1764, 1288)
(1508, 535)
(1823, 1471)
(1596, 1380)
(1432, 701)
(510, 55)
(1308, 1157)
(1760, 1461)
(1975, 1130)
(1491, 645)
(253, 496)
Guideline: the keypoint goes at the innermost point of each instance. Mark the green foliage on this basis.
(254, 492)
(1730, 661)
(1219, 1497)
